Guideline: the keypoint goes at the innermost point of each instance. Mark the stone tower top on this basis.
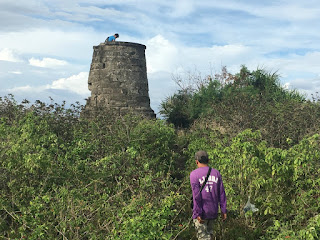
(119, 43)
(118, 79)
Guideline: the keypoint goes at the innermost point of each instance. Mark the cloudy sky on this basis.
(46, 45)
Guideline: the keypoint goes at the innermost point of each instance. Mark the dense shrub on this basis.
(254, 100)
(283, 184)
(65, 177)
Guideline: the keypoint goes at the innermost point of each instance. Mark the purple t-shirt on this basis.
(206, 204)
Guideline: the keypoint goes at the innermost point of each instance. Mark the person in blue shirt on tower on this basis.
(112, 38)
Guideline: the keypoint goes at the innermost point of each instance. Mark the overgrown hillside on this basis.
(64, 177)
(233, 103)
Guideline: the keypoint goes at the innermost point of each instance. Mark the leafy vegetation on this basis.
(66, 177)
(245, 100)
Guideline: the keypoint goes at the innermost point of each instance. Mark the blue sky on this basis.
(46, 45)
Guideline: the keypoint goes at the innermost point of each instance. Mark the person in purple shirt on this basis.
(206, 202)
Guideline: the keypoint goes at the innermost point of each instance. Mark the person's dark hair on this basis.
(202, 157)
(117, 35)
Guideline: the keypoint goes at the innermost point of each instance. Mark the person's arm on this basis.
(197, 198)
(223, 200)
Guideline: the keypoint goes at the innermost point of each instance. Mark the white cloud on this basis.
(47, 62)
(308, 62)
(294, 66)
(286, 85)
(26, 88)
(63, 43)
(161, 54)
(9, 55)
(16, 72)
(182, 8)
(76, 83)
(289, 11)
(229, 50)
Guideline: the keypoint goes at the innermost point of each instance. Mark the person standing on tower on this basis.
(112, 38)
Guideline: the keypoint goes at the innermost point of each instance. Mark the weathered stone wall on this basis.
(118, 80)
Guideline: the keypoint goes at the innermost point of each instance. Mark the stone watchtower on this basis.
(118, 80)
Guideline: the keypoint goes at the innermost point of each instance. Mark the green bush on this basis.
(283, 184)
(65, 177)
(112, 177)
